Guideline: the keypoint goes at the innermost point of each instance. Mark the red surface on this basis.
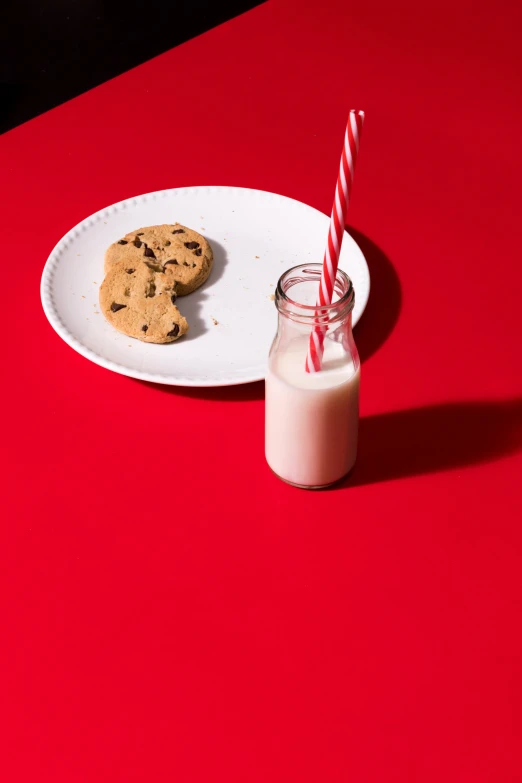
(170, 610)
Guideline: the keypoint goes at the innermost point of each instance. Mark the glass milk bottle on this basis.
(312, 418)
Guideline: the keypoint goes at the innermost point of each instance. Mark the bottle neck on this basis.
(294, 325)
(297, 298)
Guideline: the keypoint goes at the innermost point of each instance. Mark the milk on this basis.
(311, 418)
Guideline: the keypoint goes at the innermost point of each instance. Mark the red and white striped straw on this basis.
(336, 232)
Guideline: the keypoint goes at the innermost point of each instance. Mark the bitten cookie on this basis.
(183, 254)
(140, 302)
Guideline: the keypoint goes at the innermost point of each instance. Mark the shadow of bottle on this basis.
(384, 305)
(435, 438)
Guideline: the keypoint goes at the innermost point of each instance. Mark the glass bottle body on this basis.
(311, 419)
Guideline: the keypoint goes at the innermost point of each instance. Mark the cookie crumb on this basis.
(95, 283)
(78, 254)
(83, 296)
(271, 297)
(256, 256)
(216, 323)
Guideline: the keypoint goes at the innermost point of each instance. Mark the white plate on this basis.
(255, 236)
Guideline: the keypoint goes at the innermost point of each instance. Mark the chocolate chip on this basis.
(123, 242)
(144, 328)
(149, 252)
(130, 271)
(173, 332)
(198, 252)
(178, 231)
(153, 266)
(173, 261)
(185, 263)
(115, 307)
(140, 234)
(173, 298)
(192, 245)
(167, 243)
(138, 243)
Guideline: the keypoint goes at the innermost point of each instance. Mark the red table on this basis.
(170, 610)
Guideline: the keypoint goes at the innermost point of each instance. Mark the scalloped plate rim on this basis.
(53, 315)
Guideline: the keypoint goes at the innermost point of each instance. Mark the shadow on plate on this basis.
(191, 306)
(218, 267)
(435, 438)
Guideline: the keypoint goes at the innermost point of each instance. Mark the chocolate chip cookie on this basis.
(140, 302)
(183, 254)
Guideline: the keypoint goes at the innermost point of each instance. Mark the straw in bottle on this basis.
(335, 235)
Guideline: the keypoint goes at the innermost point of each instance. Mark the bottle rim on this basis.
(337, 310)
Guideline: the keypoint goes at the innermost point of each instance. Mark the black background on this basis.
(52, 50)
